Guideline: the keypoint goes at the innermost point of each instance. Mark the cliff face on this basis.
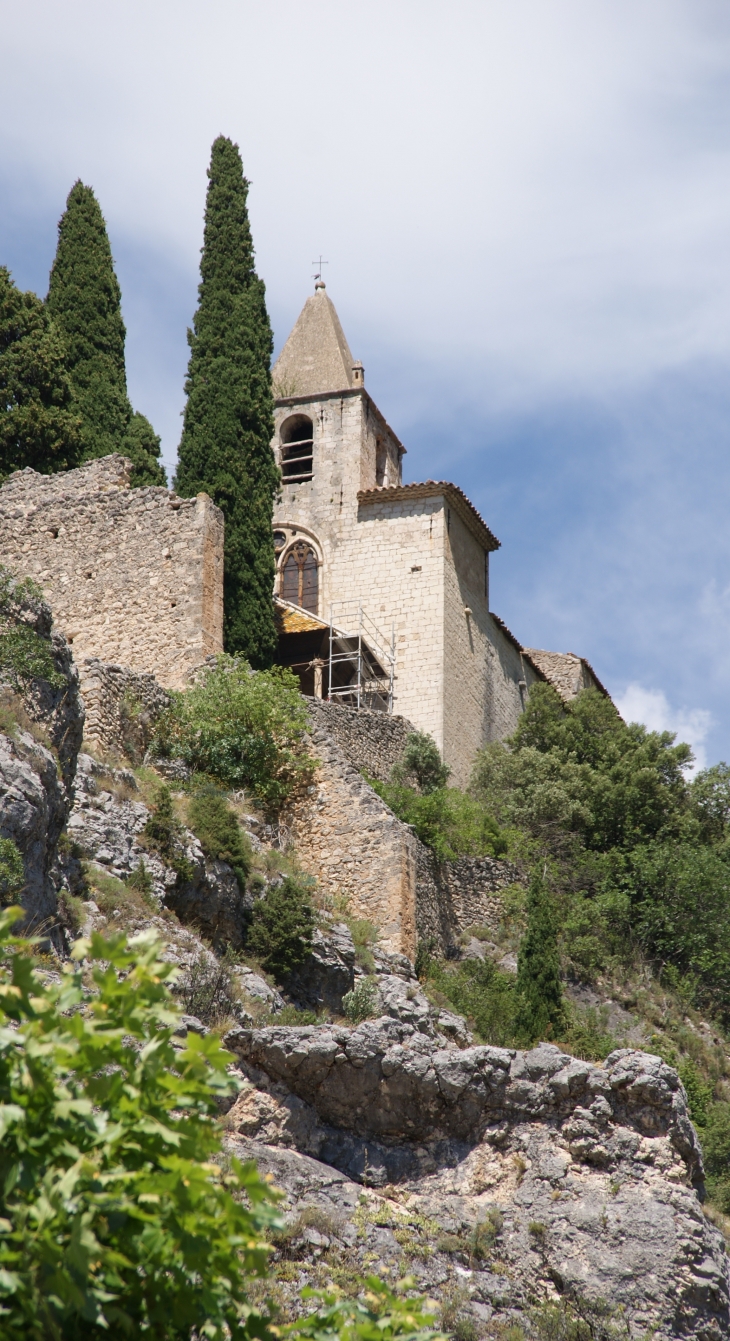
(40, 736)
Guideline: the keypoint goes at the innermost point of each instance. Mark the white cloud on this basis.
(652, 708)
(534, 197)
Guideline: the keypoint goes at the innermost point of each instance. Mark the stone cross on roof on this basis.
(316, 358)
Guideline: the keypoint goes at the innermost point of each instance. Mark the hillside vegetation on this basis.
(632, 856)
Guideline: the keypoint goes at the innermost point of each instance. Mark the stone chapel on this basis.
(383, 587)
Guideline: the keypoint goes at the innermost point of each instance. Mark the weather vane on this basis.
(319, 263)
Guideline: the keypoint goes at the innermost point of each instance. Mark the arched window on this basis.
(297, 447)
(300, 577)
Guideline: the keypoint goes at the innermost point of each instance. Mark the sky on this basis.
(525, 213)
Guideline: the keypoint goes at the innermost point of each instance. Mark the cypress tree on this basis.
(541, 1013)
(38, 425)
(84, 299)
(225, 448)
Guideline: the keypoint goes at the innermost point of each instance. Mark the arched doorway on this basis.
(300, 577)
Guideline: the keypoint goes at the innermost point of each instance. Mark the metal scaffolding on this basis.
(361, 662)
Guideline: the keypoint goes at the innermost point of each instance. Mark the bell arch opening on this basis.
(297, 449)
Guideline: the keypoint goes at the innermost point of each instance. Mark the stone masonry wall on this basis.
(357, 850)
(121, 707)
(372, 741)
(454, 896)
(134, 576)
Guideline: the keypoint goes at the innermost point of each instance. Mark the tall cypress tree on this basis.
(85, 301)
(225, 448)
(541, 1012)
(38, 425)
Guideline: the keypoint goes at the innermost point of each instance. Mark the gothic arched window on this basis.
(297, 448)
(300, 577)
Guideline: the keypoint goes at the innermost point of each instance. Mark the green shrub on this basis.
(364, 936)
(541, 1012)
(376, 1314)
(422, 761)
(140, 879)
(282, 923)
(448, 821)
(477, 989)
(163, 834)
(361, 1003)
(219, 833)
(116, 1214)
(12, 873)
(243, 729)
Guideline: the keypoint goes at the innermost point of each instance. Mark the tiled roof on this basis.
(292, 619)
(567, 672)
(430, 489)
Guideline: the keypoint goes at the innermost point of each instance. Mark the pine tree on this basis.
(85, 301)
(38, 425)
(225, 448)
(541, 1013)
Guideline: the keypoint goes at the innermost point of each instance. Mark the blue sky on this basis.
(526, 212)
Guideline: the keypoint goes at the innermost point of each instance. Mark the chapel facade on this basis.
(394, 577)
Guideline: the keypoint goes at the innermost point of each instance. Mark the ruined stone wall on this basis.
(454, 896)
(373, 742)
(134, 576)
(121, 705)
(356, 849)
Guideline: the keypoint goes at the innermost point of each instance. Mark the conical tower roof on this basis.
(316, 358)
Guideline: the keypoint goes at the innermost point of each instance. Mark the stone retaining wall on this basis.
(121, 707)
(359, 851)
(372, 741)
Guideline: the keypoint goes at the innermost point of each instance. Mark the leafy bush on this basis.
(12, 873)
(422, 761)
(243, 729)
(477, 989)
(377, 1314)
(361, 1003)
(282, 923)
(206, 988)
(219, 833)
(163, 834)
(364, 935)
(448, 821)
(116, 1214)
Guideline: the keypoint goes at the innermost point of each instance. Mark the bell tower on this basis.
(331, 442)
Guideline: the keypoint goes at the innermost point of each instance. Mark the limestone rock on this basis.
(584, 1175)
(327, 973)
(33, 809)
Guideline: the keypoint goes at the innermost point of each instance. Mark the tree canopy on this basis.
(225, 448)
(84, 299)
(39, 426)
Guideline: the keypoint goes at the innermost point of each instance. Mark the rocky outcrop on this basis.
(33, 810)
(581, 1179)
(42, 728)
(107, 823)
